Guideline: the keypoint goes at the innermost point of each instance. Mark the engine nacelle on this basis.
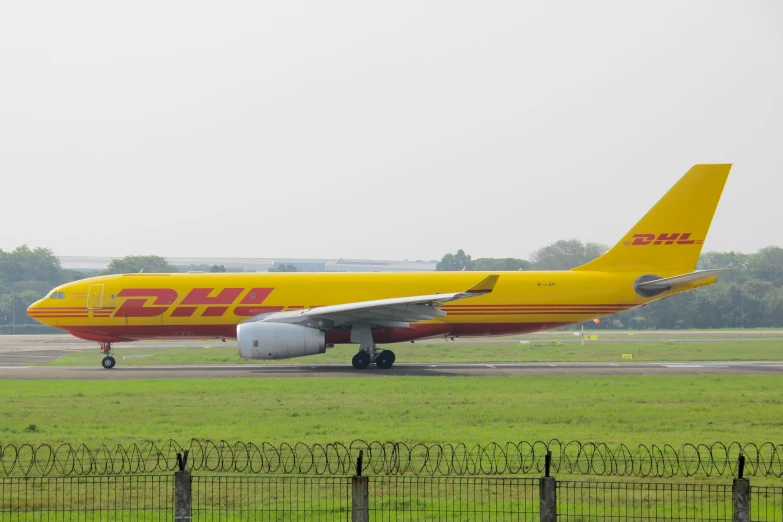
(259, 340)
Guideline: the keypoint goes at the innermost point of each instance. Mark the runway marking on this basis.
(23, 354)
(553, 365)
(14, 367)
(491, 366)
(694, 366)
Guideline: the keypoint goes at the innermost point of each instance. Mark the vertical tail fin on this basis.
(670, 236)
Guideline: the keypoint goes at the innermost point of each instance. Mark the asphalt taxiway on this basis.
(20, 354)
(410, 369)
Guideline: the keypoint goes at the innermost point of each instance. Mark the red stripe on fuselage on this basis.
(548, 305)
(116, 333)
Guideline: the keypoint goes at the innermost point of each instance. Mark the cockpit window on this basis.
(60, 295)
(54, 295)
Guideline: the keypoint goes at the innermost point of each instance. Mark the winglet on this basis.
(484, 286)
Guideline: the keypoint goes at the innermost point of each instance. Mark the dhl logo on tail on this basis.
(663, 239)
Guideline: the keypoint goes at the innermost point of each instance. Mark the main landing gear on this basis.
(368, 352)
(108, 361)
(383, 359)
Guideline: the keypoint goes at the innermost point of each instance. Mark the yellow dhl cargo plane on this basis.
(284, 315)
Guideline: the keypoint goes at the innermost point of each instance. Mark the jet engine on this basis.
(259, 340)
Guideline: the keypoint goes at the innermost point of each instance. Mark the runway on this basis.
(17, 353)
(399, 369)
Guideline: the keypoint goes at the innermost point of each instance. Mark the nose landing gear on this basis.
(108, 361)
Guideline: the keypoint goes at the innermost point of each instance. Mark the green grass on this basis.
(459, 351)
(411, 409)
(615, 410)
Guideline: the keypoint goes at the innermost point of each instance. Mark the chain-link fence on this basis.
(243, 497)
(452, 498)
(377, 498)
(586, 501)
(119, 497)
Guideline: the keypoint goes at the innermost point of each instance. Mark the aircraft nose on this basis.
(32, 307)
(34, 311)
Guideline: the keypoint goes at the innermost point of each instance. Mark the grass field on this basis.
(629, 410)
(435, 351)
(617, 409)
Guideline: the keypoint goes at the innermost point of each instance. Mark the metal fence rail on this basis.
(271, 498)
(600, 501)
(382, 499)
(766, 503)
(132, 498)
(395, 458)
(450, 499)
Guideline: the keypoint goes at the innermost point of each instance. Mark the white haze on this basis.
(382, 130)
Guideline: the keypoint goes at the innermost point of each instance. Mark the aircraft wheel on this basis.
(108, 362)
(361, 360)
(385, 360)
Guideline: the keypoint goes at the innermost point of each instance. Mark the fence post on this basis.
(360, 494)
(741, 494)
(183, 494)
(547, 496)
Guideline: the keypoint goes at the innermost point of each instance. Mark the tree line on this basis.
(26, 275)
(561, 255)
(750, 296)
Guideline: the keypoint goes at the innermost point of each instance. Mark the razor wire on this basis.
(395, 458)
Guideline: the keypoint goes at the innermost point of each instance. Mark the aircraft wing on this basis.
(397, 312)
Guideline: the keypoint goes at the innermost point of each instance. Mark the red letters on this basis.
(183, 311)
(162, 298)
(684, 239)
(667, 239)
(214, 311)
(200, 296)
(254, 298)
(136, 307)
(643, 239)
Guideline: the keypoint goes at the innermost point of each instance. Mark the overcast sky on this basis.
(386, 130)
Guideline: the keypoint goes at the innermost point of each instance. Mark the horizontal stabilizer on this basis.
(667, 283)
